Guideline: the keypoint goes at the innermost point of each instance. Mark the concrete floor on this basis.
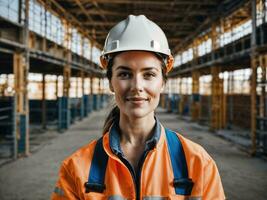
(244, 178)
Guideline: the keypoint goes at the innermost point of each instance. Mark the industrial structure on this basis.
(50, 74)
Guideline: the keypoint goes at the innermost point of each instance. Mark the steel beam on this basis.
(156, 3)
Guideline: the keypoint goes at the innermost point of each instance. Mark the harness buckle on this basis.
(94, 187)
(184, 183)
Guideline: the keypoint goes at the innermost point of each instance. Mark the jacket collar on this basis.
(114, 137)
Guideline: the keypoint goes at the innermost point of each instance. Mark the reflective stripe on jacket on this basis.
(156, 181)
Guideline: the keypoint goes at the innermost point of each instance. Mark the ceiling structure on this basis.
(181, 20)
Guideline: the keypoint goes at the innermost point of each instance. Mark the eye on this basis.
(124, 75)
(149, 75)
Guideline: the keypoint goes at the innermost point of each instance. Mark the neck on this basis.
(136, 131)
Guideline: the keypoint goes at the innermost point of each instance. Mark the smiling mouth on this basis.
(136, 99)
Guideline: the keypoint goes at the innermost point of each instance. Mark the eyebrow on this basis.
(122, 67)
(129, 69)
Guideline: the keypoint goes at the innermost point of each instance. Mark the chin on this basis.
(139, 113)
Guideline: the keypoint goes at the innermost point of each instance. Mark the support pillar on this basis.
(64, 103)
(262, 116)
(21, 144)
(43, 102)
(77, 87)
(82, 101)
(230, 105)
(258, 107)
(213, 40)
(262, 63)
(91, 103)
(217, 100)
(66, 80)
(83, 82)
(21, 128)
(56, 90)
(91, 85)
(195, 96)
(253, 103)
(254, 65)
(181, 101)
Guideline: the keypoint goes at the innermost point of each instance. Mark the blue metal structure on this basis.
(63, 113)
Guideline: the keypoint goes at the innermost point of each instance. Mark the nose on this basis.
(137, 84)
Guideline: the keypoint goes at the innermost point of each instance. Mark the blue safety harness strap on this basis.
(183, 185)
(96, 179)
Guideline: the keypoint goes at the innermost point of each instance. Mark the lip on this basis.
(136, 99)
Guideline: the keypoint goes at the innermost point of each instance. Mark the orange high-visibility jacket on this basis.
(156, 180)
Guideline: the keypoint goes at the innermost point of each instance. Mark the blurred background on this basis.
(53, 91)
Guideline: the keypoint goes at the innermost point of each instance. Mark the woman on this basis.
(137, 158)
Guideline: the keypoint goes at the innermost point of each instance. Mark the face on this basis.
(137, 82)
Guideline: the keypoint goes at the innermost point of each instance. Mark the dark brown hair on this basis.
(115, 112)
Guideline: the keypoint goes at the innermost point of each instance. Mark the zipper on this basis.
(136, 178)
(142, 161)
(132, 172)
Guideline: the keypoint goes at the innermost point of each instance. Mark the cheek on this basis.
(119, 87)
(154, 88)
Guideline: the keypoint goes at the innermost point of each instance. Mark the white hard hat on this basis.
(136, 33)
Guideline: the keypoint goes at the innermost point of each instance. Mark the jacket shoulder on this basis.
(194, 151)
(81, 158)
